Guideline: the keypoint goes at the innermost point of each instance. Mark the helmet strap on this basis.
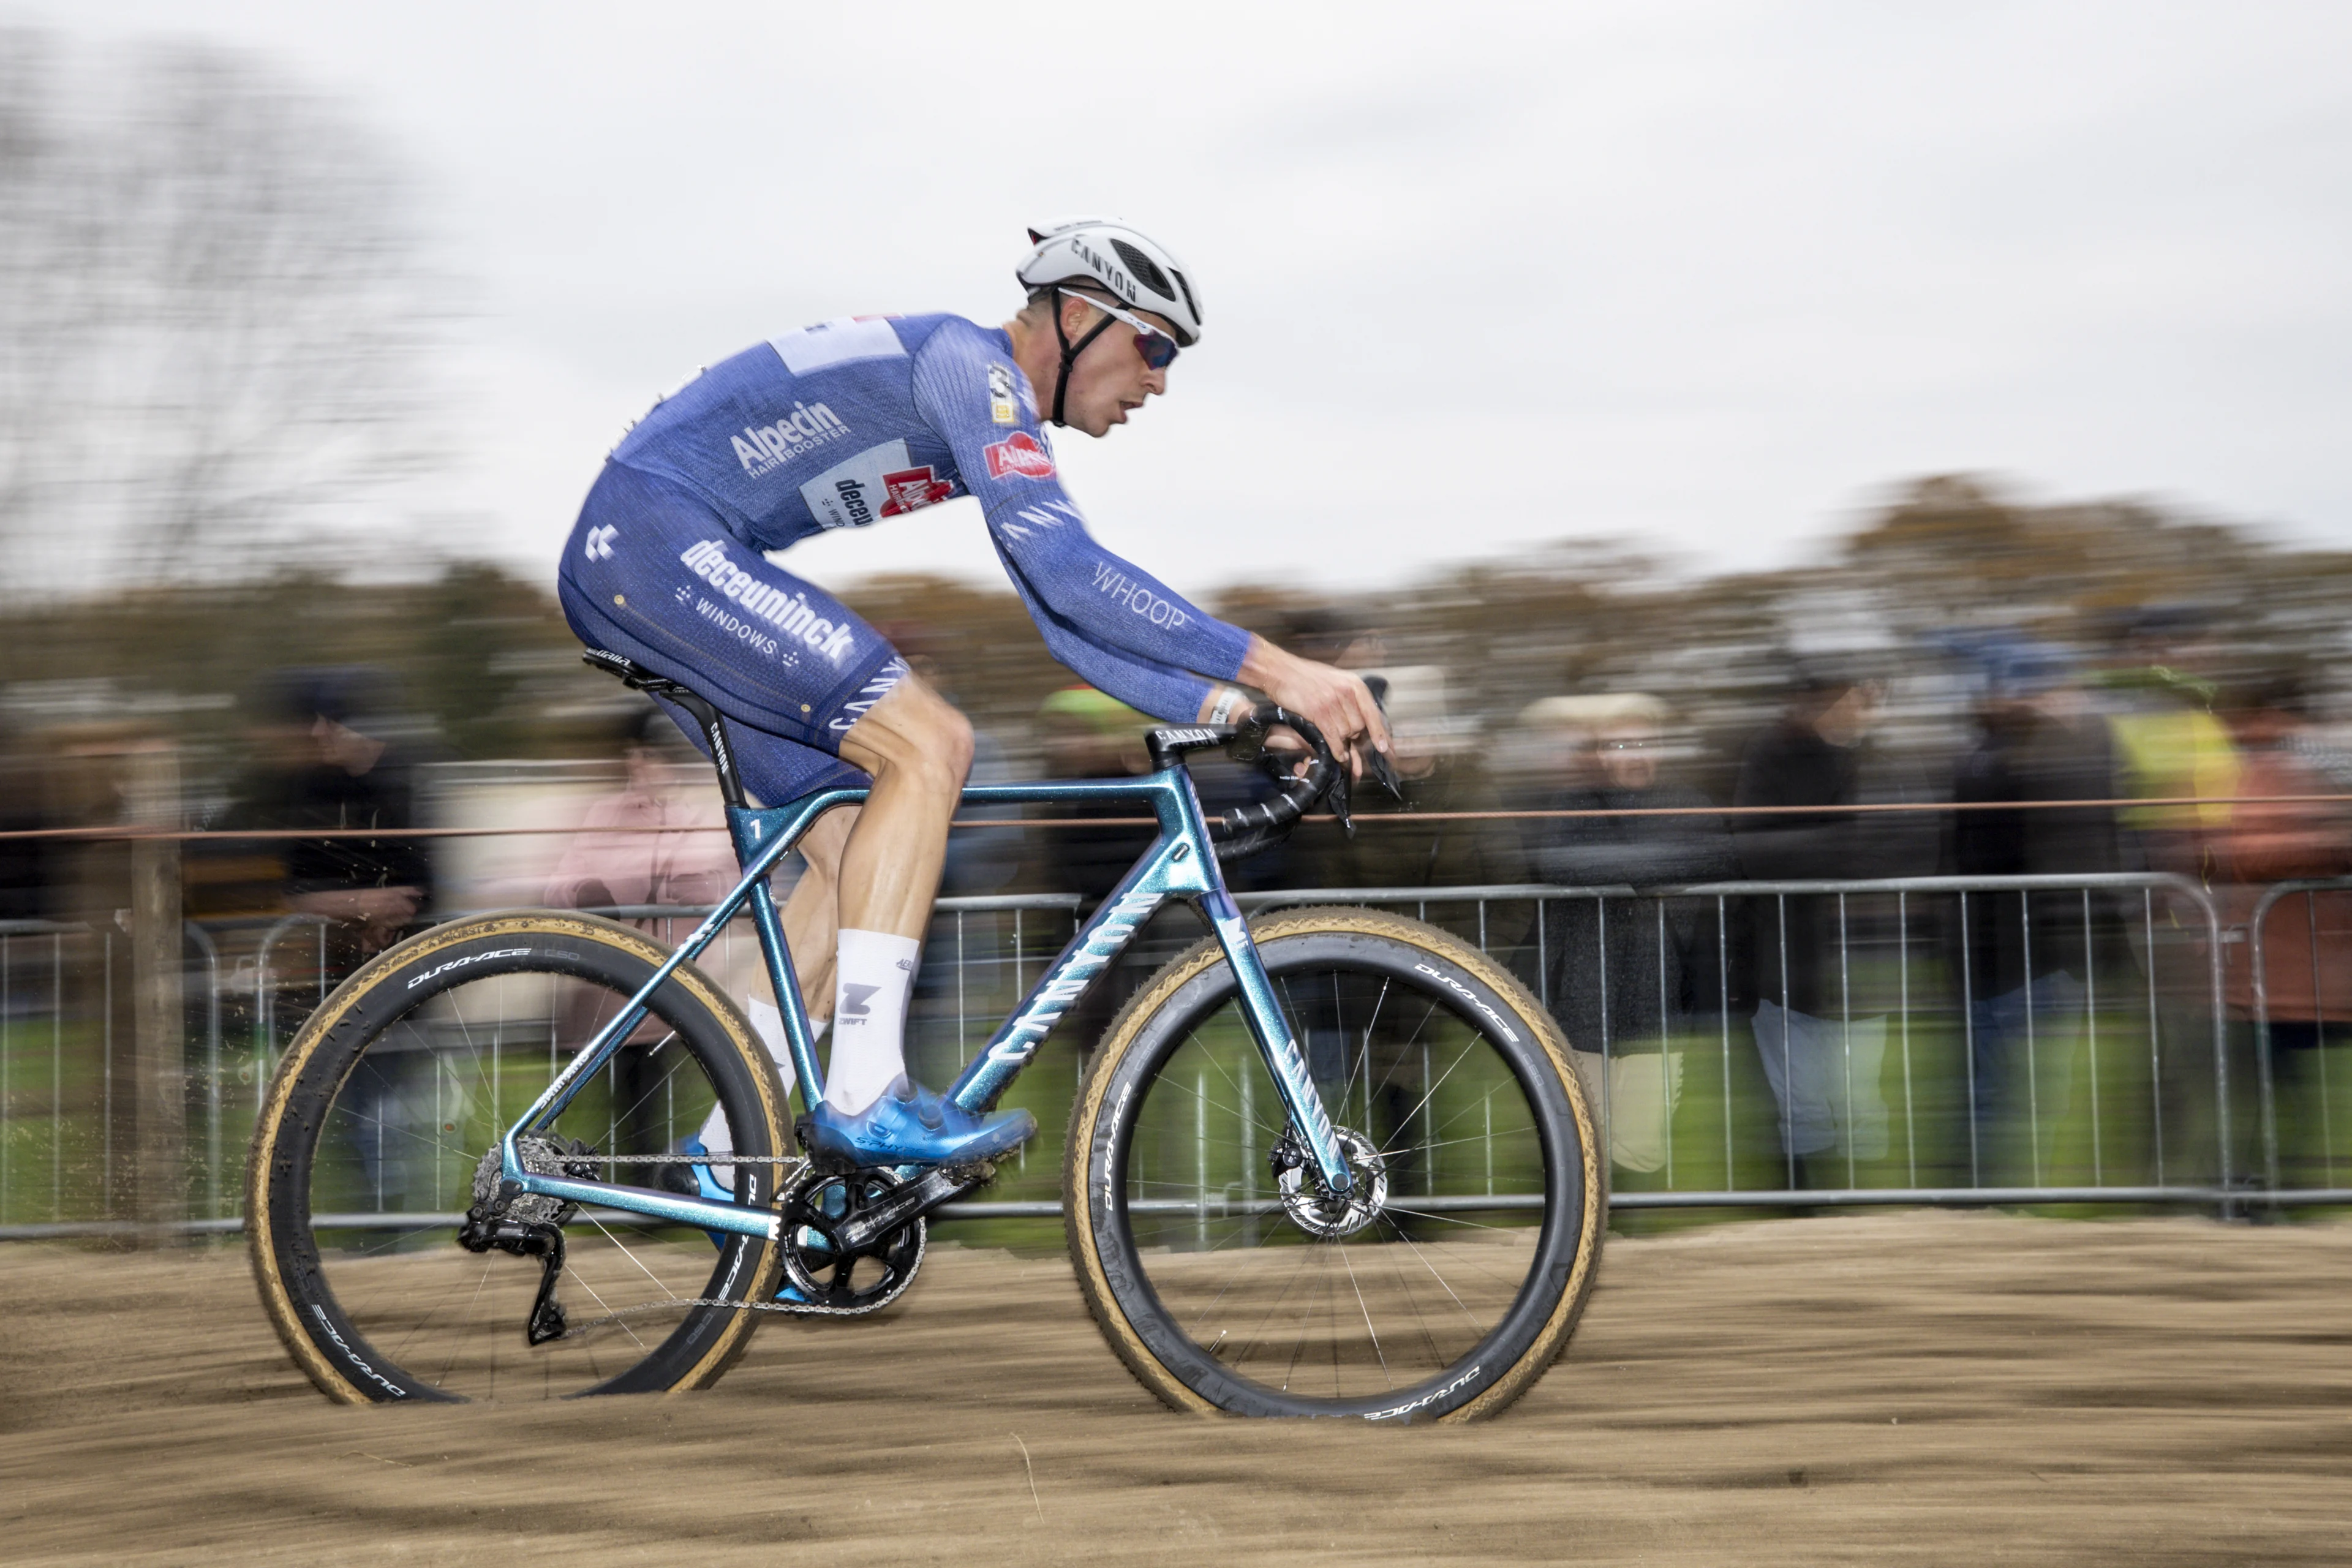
(1070, 351)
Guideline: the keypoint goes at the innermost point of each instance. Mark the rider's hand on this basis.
(1337, 701)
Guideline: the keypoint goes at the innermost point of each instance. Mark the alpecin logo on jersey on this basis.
(1018, 454)
(911, 490)
(789, 614)
(764, 449)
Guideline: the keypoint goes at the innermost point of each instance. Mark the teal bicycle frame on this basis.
(1180, 863)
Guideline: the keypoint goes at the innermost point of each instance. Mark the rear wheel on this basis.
(366, 1155)
(1222, 1273)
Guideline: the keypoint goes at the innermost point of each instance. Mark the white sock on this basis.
(872, 972)
(769, 1025)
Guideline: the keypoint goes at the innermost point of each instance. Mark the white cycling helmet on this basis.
(1107, 252)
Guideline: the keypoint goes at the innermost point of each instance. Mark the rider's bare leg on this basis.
(918, 748)
(813, 914)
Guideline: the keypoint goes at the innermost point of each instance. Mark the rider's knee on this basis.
(927, 738)
(946, 756)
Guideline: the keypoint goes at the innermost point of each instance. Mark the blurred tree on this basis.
(210, 312)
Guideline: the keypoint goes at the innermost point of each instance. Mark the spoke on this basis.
(1424, 1260)
(1219, 1106)
(458, 1347)
(1361, 1307)
(1212, 1059)
(1281, 1296)
(1448, 1219)
(1298, 1346)
(379, 1124)
(622, 1115)
(618, 1321)
(418, 1327)
(1434, 1143)
(1420, 1320)
(1404, 1048)
(1461, 1057)
(623, 1251)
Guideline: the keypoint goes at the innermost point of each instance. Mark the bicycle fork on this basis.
(1284, 1060)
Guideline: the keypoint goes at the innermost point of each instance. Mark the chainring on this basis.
(830, 1281)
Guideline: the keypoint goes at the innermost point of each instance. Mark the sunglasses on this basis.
(1157, 349)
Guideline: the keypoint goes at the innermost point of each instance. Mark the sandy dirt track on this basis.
(1930, 1388)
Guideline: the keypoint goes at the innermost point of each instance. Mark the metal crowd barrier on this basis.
(2257, 929)
(2117, 1085)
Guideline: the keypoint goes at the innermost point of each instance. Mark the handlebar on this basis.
(1247, 829)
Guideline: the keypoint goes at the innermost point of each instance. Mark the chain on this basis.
(788, 1309)
(716, 1157)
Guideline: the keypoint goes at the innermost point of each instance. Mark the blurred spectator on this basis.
(2168, 745)
(315, 764)
(1619, 971)
(2306, 939)
(660, 840)
(2029, 958)
(1822, 1062)
(26, 869)
(1089, 734)
(1438, 771)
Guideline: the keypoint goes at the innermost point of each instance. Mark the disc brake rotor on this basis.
(1314, 1207)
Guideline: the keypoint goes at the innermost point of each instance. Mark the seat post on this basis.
(714, 730)
(638, 677)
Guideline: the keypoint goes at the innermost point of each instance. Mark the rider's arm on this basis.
(1160, 690)
(1092, 594)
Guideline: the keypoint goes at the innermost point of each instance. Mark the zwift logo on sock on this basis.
(853, 998)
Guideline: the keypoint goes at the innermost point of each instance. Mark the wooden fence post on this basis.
(159, 1008)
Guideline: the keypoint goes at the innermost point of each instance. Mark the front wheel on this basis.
(1227, 1279)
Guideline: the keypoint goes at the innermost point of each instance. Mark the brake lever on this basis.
(1336, 800)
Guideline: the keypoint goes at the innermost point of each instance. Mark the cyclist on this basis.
(844, 425)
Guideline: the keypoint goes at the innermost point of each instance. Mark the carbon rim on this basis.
(394, 1107)
(1416, 1313)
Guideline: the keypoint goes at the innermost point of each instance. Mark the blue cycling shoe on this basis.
(910, 1125)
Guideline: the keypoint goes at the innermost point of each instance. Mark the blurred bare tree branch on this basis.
(213, 313)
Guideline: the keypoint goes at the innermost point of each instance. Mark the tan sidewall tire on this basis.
(1082, 1203)
(261, 1243)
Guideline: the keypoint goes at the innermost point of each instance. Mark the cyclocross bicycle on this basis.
(1331, 1162)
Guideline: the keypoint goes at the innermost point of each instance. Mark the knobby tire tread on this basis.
(1158, 992)
(261, 1242)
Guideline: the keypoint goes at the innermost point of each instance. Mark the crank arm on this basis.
(907, 1205)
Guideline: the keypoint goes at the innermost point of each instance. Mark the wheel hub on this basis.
(1314, 1207)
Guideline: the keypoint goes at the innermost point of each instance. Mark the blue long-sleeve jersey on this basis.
(843, 425)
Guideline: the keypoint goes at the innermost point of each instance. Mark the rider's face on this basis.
(1109, 378)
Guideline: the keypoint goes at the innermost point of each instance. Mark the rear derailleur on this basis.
(505, 1218)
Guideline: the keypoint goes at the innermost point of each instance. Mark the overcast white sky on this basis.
(1705, 274)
